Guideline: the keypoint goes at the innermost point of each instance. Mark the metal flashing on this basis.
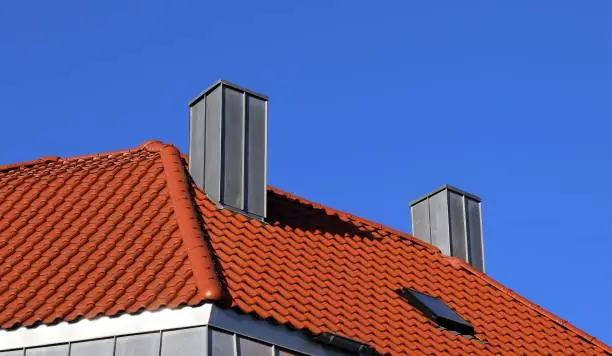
(228, 145)
(226, 83)
(450, 188)
(238, 211)
(450, 219)
(345, 344)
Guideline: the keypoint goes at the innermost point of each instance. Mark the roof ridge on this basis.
(199, 253)
(350, 216)
(151, 146)
(457, 262)
(25, 164)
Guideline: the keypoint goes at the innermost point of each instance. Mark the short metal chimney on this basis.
(228, 146)
(450, 219)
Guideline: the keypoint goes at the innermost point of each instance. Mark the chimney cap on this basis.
(228, 84)
(449, 187)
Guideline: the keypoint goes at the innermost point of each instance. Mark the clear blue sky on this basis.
(372, 104)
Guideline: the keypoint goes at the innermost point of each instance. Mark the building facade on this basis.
(148, 252)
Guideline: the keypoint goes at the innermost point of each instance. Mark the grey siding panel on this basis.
(475, 233)
(233, 148)
(256, 156)
(213, 145)
(438, 215)
(138, 345)
(57, 350)
(267, 340)
(103, 347)
(221, 343)
(248, 347)
(12, 353)
(197, 127)
(184, 342)
(420, 220)
(457, 225)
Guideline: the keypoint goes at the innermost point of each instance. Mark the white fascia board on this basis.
(105, 327)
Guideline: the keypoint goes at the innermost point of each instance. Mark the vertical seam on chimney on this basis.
(205, 124)
(449, 227)
(428, 221)
(468, 242)
(245, 163)
(222, 148)
(265, 180)
(481, 235)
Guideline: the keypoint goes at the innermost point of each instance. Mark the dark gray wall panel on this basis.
(103, 347)
(247, 347)
(221, 343)
(184, 342)
(138, 345)
(457, 225)
(420, 220)
(57, 350)
(256, 156)
(12, 353)
(197, 121)
(475, 234)
(233, 148)
(438, 215)
(213, 145)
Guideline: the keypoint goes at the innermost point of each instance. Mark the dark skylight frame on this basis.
(437, 310)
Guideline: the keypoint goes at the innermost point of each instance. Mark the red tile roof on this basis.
(99, 235)
(128, 231)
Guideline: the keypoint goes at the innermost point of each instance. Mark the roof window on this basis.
(437, 310)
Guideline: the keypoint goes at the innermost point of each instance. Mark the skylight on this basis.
(438, 311)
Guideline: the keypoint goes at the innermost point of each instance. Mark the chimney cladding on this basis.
(450, 219)
(228, 146)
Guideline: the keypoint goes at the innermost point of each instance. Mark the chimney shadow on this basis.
(290, 213)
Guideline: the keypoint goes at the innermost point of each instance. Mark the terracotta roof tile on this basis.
(99, 235)
(315, 268)
(128, 231)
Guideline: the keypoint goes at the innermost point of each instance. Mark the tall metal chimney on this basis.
(228, 146)
(450, 219)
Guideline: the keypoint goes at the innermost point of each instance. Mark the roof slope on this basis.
(127, 231)
(98, 235)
